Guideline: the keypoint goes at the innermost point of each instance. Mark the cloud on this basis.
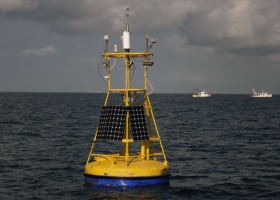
(94, 16)
(244, 27)
(39, 52)
(177, 43)
(236, 27)
(274, 58)
(17, 5)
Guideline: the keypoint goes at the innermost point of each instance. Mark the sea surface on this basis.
(222, 147)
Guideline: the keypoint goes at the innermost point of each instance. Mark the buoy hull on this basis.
(91, 180)
(119, 172)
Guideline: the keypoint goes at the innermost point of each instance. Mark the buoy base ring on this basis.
(114, 181)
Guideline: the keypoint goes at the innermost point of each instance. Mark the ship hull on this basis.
(202, 95)
(264, 96)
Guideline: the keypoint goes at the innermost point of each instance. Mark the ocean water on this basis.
(223, 147)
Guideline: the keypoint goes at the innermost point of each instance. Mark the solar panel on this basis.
(116, 123)
(138, 123)
(103, 123)
(112, 122)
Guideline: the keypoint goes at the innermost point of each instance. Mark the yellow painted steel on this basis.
(136, 100)
(127, 114)
(109, 74)
(125, 54)
(127, 163)
(165, 161)
(117, 166)
(127, 140)
(106, 99)
(129, 90)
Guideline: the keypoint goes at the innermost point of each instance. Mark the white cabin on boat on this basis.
(263, 94)
(201, 94)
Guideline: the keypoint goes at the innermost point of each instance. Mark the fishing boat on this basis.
(263, 94)
(132, 124)
(201, 94)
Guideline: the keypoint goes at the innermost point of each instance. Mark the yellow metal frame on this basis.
(145, 153)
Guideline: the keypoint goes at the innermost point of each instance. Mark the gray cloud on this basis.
(39, 52)
(93, 16)
(17, 5)
(199, 44)
(245, 27)
(238, 27)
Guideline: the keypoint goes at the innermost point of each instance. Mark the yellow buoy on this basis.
(127, 123)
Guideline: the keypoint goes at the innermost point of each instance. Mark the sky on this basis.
(222, 46)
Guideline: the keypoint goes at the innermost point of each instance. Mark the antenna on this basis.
(126, 33)
(126, 13)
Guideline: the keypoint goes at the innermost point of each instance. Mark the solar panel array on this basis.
(138, 123)
(112, 123)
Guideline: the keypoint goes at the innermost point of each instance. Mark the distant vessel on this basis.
(201, 94)
(263, 94)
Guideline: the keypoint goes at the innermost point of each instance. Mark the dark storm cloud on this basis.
(17, 5)
(239, 27)
(199, 43)
(92, 16)
(67, 17)
(247, 27)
